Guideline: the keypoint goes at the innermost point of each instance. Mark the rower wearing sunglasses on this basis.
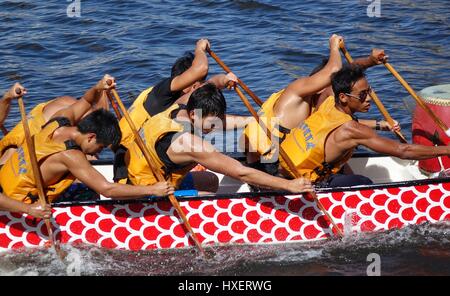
(325, 141)
(288, 108)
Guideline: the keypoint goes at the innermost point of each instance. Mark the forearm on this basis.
(9, 204)
(219, 80)
(5, 105)
(125, 191)
(365, 63)
(261, 179)
(334, 62)
(200, 64)
(92, 96)
(368, 122)
(418, 152)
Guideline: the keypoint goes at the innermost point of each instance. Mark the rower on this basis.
(326, 140)
(6, 203)
(37, 118)
(188, 73)
(174, 139)
(61, 149)
(288, 108)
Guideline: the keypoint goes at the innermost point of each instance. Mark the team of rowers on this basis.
(312, 119)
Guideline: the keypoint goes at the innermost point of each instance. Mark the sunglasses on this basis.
(362, 95)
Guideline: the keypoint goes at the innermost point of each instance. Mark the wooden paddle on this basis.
(156, 172)
(419, 100)
(114, 105)
(242, 84)
(37, 174)
(286, 158)
(376, 100)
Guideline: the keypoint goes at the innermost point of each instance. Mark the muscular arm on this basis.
(222, 81)
(5, 105)
(12, 205)
(365, 62)
(310, 85)
(196, 72)
(77, 110)
(36, 210)
(359, 134)
(368, 122)
(376, 57)
(76, 162)
(196, 150)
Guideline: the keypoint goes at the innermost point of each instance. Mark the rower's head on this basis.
(98, 130)
(181, 65)
(206, 108)
(351, 89)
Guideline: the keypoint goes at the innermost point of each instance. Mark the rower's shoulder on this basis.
(72, 156)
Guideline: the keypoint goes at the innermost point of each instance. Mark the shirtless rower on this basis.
(326, 140)
(6, 203)
(288, 108)
(37, 118)
(61, 149)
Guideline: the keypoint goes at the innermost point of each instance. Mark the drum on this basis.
(424, 129)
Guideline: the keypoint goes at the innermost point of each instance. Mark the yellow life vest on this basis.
(139, 172)
(306, 145)
(255, 137)
(16, 176)
(138, 115)
(16, 137)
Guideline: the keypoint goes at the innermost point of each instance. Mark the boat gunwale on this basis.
(322, 190)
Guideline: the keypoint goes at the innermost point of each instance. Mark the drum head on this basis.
(436, 95)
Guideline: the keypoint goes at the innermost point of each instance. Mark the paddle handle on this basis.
(418, 99)
(376, 100)
(37, 175)
(148, 157)
(255, 98)
(286, 158)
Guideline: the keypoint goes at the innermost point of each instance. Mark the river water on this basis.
(267, 44)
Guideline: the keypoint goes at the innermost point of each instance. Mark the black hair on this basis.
(209, 99)
(344, 80)
(319, 67)
(104, 125)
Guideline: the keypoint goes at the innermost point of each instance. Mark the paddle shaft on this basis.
(114, 105)
(286, 158)
(376, 100)
(156, 172)
(242, 84)
(37, 174)
(418, 99)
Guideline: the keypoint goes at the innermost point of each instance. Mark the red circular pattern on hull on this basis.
(252, 220)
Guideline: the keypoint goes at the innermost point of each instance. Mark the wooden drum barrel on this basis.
(424, 129)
